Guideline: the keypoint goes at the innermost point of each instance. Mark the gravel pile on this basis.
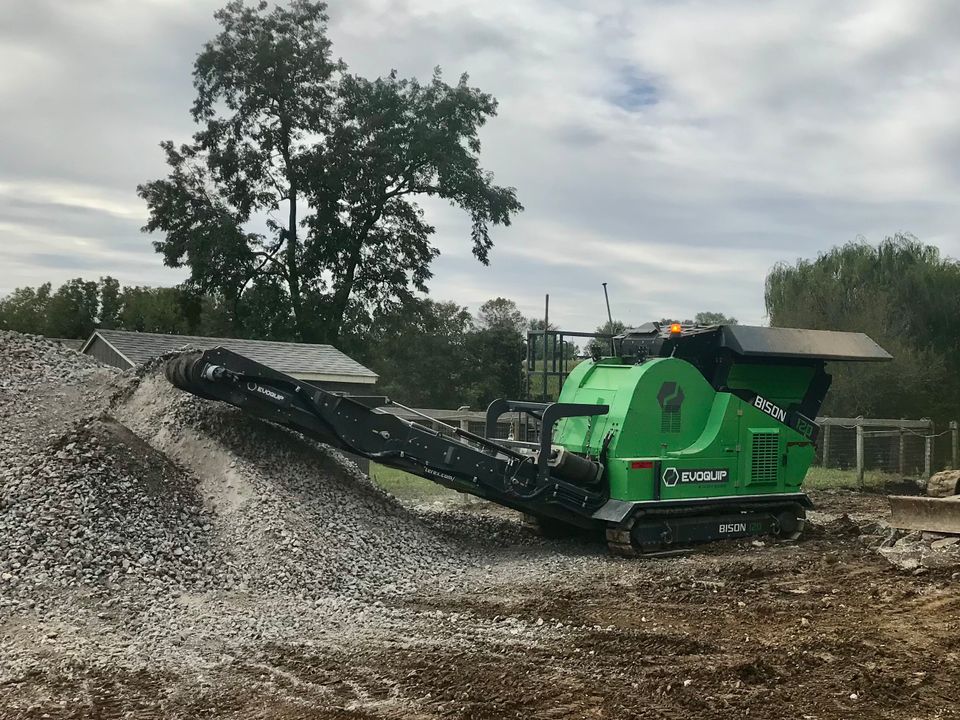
(293, 515)
(146, 530)
(96, 508)
(159, 492)
(43, 388)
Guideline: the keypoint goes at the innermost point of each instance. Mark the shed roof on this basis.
(301, 360)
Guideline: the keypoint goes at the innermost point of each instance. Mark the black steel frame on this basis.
(469, 463)
(548, 414)
(554, 356)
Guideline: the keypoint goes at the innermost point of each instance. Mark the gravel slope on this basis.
(139, 522)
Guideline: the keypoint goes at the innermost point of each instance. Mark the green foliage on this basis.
(432, 354)
(501, 313)
(713, 318)
(155, 310)
(599, 346)
(568, 351)
(286, 132)
(703, 318)
(263, 311)
(904, 296)
(427, 353)
(72, 311)
(495, 357)
(553, 384)
(25, 309)
(821, 478)
(78, 307)
(110, 302)
(420, 352)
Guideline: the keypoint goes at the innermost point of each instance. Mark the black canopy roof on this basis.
(750, 341)
(829, 345)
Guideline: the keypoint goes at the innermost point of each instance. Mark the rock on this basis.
(903, 556)
(944, 542)
(944, 484)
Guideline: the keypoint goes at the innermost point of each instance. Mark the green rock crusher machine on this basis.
(684, 435)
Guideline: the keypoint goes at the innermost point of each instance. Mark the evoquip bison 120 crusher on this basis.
(687, 434)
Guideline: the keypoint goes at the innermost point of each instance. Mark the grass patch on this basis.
(412, 487)
(820, 478)
(406, 486)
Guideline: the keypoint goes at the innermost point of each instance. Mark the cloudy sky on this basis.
(675, 150)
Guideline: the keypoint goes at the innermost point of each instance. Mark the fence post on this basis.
(900, 455)
(826, 446)
(928, 454)
(954, 433)
(859, 455)
(466, 498)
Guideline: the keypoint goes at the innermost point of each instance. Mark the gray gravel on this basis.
(141, 525)
(288, 514)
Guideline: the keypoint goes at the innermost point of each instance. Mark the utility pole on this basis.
(546, 324)
(613, 350)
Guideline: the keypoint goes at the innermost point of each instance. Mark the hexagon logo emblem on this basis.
(671, 476)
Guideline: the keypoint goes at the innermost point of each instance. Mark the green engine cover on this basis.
(673, 436)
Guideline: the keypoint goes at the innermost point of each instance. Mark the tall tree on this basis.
(904, 295)
(73, 309)
(157, 310)
(25, 310)
(495, 360)
(420, 353)
(496, 351)
(110, 302)
(334, 161)
(502, 313)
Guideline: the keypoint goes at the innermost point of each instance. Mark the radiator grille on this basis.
(764, 457)
(670, 419)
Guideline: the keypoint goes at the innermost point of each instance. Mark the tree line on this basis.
(78, 307)
(905, 296)
(427, 353)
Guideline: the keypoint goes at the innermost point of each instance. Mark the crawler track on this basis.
(673, 531)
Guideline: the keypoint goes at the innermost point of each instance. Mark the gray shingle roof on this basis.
(292, 358)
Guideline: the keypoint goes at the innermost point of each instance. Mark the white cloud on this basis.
(676, 150)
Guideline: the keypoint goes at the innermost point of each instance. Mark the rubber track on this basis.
(620, 538)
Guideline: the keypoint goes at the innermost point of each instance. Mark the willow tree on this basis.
(303, 180)
(904, 295)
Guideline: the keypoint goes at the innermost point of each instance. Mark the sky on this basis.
(674, 150)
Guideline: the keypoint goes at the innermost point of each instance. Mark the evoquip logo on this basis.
(673, 477)
(670, 396)
(267, 392)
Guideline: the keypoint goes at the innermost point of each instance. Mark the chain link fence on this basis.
(903, 448)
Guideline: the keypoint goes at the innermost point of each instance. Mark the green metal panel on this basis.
(782, 384)
(705, 443)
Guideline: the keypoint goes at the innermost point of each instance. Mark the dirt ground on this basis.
(823, 628)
